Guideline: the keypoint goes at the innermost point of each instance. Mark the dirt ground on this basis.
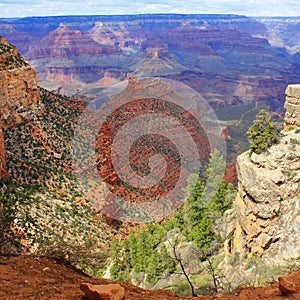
(26, 277)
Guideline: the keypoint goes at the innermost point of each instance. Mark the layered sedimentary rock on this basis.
(267, 206)
(292, 107)
(18, 87)
(66, 59)
(18, 91)
(226, 58)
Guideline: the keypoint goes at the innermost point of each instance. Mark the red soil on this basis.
(26, 277)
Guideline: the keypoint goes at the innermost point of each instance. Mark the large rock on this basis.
(18, 85)
(286, 286)
(292, 106)
(267, 206)
(101, 292)
(289, 284)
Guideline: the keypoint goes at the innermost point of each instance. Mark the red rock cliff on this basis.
(18, 91)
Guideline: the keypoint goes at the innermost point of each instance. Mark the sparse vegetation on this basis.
(42, 197)
(15, 220)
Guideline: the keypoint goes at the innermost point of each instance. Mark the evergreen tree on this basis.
(262, 133)
(205, 204)
(145, 250)
(214, 175)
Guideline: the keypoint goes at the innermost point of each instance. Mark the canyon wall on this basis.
(266, 211)
(226, 58)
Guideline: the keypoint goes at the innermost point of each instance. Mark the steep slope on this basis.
(19, 84)
(18, 92)
(38, 191)
(49, 213)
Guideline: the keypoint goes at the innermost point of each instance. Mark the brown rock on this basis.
(18, 86)
(103, 292)
(286, 286)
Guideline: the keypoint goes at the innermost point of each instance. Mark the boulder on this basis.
(286, 286)
(103, 292)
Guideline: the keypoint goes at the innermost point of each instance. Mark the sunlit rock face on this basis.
(267, 206)
(292, 107)
(18, 91)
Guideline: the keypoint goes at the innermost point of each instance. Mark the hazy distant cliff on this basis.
(227, 58)
(267, 206)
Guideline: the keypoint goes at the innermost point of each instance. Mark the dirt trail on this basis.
(25, 277)
(246, 113)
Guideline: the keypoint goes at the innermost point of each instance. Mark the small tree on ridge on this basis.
(262, 133)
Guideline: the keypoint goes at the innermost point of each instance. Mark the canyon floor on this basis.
(27, 277)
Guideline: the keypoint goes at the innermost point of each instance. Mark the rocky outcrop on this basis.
(292, 107)
(286, 286)
(18, 91)
(18, 87)
(267, 206)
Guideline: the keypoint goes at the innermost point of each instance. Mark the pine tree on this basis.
(262, 133)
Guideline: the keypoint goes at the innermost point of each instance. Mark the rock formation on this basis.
(226, 58)
(67, 59)
(267, 205)
(292, 106)
(18, 82)
(18, 91)
(286, 286)
(98, 292)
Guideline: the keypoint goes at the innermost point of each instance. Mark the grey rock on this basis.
(267, 205)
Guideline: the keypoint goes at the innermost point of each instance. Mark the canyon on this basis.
(229, 59)
(37, 128)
